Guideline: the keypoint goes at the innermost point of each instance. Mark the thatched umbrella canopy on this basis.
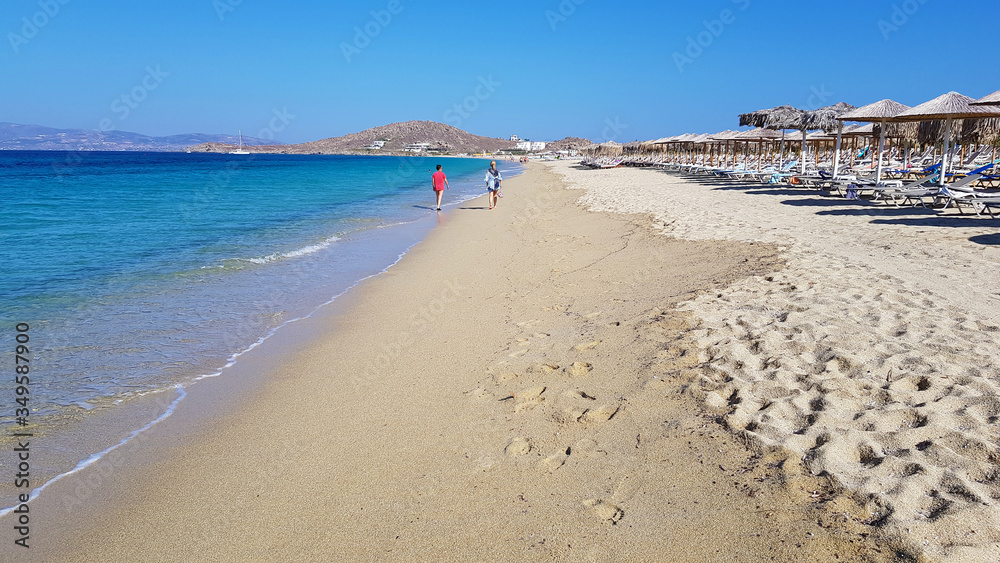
(726, 135)
(880, 111)
(947, 107)
(610, 148)
(815, 136)
(827, 118)
(992, 99)
(649, 145)
(964, 131)
(758, 134)
(859, 130)
(633, 147)
(781, 117)
(723, 138)
(981, 131)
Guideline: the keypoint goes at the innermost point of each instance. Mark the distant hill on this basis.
(442, 138)
(38, 138)
(569, 143)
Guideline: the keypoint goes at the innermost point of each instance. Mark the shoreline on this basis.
(395, 412)
(77, 439)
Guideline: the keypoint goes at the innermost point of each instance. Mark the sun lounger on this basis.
(914, 191)
(960, 192)
(986, 204)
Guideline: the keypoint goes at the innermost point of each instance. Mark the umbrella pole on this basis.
(781, 150)
(836, 152)
(802, 154)
(944, 153)
(881, 145)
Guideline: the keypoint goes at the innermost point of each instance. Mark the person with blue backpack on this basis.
(493, 182)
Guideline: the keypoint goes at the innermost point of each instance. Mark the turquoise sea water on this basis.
(138, 271)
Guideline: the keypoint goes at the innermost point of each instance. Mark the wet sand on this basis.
(527, 383)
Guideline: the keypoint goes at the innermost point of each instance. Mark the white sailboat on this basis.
(240, 150)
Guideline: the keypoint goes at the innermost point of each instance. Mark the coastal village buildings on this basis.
(530, 146)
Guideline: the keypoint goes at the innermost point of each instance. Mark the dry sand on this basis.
(872, 356)
(521, 386)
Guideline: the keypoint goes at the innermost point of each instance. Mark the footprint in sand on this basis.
(600, 414)
(586, 346)
(517, 447)
(569, 415)
(579, 369)
(528, 398)
(556, 460)
(517, 353)
(605, 510)
(587, 447)
(544, 368)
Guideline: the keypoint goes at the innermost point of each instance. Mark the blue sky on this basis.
(543, 69)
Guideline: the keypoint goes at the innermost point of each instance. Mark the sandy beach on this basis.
(871, 355)
(638, 368)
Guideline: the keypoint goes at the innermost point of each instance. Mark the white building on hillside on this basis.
(417, 147)
(375, 145)
(523, 146)
(515, 138)
(536, 146)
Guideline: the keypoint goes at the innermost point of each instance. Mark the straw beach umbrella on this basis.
(787, 117)
(724, 137)
(992, 99)
(759, 136)
(880, 111)
(781, 117)
(948, 107)
(827, 119)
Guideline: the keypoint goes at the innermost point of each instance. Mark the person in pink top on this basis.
(440, 185)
